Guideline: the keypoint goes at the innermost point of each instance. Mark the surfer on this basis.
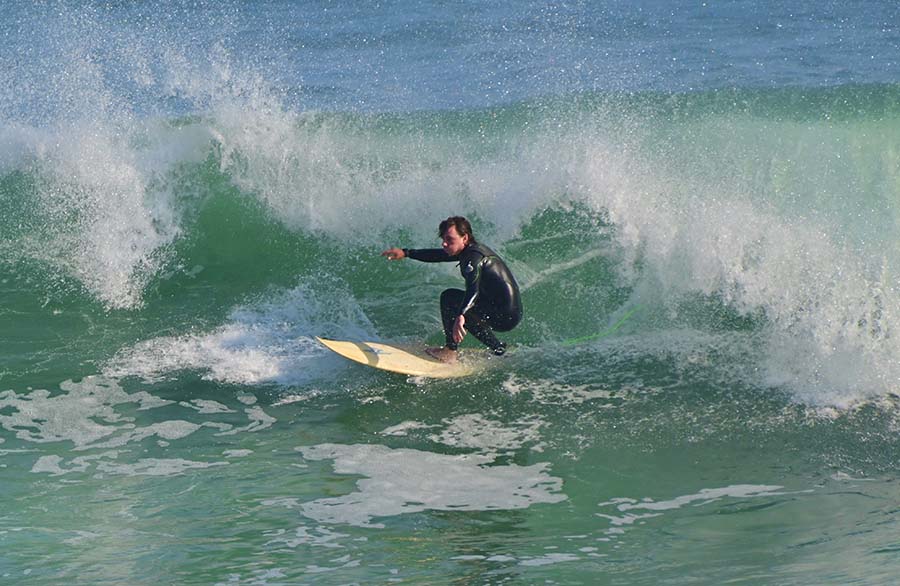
(491, 300)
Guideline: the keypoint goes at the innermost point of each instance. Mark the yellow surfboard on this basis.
(405, 361)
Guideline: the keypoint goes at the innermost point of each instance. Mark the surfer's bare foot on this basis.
(443, 354)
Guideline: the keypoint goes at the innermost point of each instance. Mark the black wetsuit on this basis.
(491, 300)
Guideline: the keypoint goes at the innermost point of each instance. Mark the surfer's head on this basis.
(456, 234)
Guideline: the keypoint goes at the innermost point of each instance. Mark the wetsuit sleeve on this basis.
(429, 255)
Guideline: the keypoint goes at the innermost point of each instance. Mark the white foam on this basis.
(315, 537)
(168, 430)
(407, 481)
(829, 303)
(550, 559)
(475, 431)
(206, 406)
(533, 561)
(247, 398)
(87, 415)
(403, 428)
(704, 497)
(53, 465)
(83, 414)
(259, 420)
(548, 391)
(297, 398)
(155, 467)
(106, 463)
(107, 218)
(105, 171)
(267, 342)
(81, 536)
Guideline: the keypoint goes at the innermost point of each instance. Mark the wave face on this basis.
(143, 158)
(771, 213)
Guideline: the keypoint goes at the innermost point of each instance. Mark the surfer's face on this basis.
(452, 242)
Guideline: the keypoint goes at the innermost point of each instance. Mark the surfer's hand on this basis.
(459, 329)
(394, 253)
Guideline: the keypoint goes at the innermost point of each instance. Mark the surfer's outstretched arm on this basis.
(421, 254)
(394, 254)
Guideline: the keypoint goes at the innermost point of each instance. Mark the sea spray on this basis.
(777, 246)
(776, 206)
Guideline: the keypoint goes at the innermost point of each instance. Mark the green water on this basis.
(519, 477)
(701, 392)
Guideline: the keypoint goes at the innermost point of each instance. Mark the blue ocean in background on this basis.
(701, 203)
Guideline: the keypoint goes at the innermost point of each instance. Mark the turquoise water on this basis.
(191, 192)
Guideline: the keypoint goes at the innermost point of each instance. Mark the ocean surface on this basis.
(700, 200)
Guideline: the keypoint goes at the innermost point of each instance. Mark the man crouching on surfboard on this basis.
(491, 300)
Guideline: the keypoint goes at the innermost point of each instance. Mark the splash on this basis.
(778, 208)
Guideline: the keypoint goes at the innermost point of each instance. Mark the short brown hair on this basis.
(462, 225)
